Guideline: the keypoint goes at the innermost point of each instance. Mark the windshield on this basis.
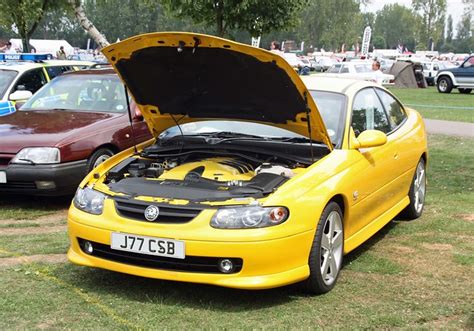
(245, 128)
(6, 78)
(365, 67)
(330, 105)
(97, 93)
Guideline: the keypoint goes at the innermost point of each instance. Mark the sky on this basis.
(455, 7)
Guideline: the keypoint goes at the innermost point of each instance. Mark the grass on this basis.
(18, 207)
(441, 106)
(410, 275)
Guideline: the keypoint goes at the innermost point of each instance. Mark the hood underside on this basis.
(194, 77)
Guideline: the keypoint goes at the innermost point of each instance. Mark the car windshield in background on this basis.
(97, 93)
(331, 107)
(6, 78)
(359, 68)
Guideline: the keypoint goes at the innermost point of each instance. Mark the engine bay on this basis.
(214, 178)
(197, 172)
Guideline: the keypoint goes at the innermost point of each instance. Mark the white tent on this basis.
(45, 45)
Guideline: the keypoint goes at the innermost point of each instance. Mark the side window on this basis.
(334, 69)
(56, 71)
(32, 80)
(368, 113)
(394, 109)
(344, 70)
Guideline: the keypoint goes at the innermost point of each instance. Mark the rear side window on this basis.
(368, 113)
(394, 109)
(32, 80)
(334, 69)
(344, 70)
(57, 70)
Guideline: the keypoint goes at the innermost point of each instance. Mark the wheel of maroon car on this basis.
(325, 259)
(416, 194)
(465, 90)
(445, 85)
(98, 157)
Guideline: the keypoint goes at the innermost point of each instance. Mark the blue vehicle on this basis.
(461, 77)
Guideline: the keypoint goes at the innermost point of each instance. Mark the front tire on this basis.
(445, 85)
(465, 90)
(98, 157)
(416, 194)
(325, 259)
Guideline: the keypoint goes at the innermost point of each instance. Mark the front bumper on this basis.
(47, 179)
(266, 264)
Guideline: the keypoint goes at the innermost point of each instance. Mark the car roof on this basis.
(97, 71)
(333, 84)
(22, 66)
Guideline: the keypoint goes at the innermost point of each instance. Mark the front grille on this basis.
(18, 186)
(189, 264)
(4, 160)
(135, 210)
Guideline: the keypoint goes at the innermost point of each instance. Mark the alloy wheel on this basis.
(420, 187)
(331, 248)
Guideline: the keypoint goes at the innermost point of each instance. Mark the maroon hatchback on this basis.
(67, 128)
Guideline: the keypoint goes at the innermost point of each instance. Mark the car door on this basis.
(465, 73)
(402, 136)
(372, 192)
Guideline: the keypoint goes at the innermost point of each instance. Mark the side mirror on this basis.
(368, 138)
(6, 108)
(20, 95)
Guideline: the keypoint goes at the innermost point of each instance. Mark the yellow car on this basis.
(246, 184)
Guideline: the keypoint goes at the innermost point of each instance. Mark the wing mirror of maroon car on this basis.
(367, 139)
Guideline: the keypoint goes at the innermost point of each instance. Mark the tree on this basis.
(255, 16)
(330, 23)
(396, 24)
(433, 13)
(464, 37)
(379, 42)
(449, 29)
(86, 24)
(24, 17)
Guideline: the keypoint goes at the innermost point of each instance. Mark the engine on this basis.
(208, 179)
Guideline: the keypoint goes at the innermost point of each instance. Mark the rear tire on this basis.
(416, 194)
(444, 84)
(465, 90)
(325, 259)
(98, 157)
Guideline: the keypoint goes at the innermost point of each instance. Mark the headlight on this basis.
(248, 217)
(37, 155)
(89, 200)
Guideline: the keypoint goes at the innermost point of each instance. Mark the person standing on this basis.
(378, 74)
(8, 49)
(61, 54)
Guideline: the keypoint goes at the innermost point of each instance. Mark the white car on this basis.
(431, 69)
(361, 70)
(21, 75)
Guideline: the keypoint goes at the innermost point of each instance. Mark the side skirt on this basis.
(373, 227)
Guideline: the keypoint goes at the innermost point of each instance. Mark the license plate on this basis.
(3, 177)
(147, 245)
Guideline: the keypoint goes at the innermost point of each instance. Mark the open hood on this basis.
(192, 77)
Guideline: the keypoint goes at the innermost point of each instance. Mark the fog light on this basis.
(88, 247)
(45, 185)
(226, 266)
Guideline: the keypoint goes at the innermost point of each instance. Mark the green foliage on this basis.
(331, 23)
(253, 16)
(388, 25)
(449, 29)
(379, 42)
(433, 14)
(24, 16)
